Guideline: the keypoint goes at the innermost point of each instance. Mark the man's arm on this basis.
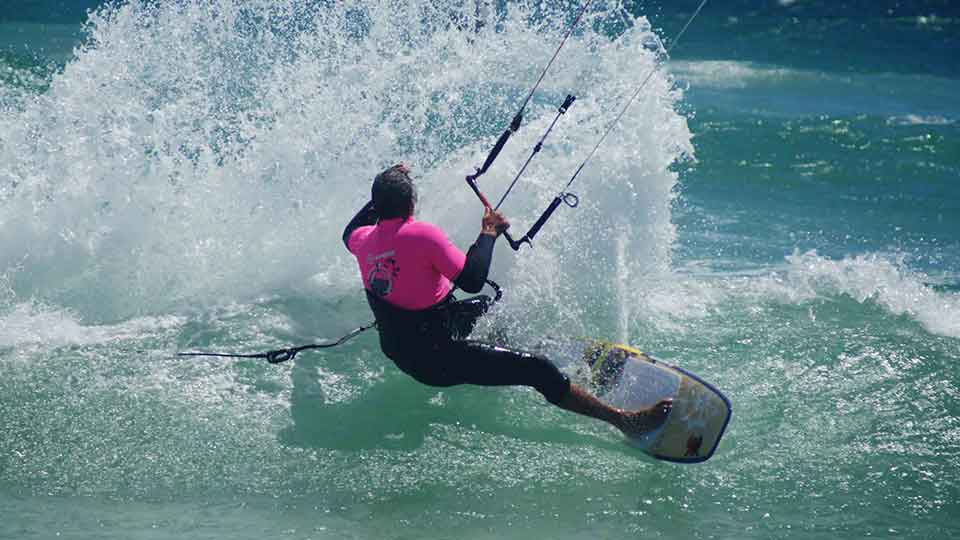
(366, 216)
(474, 274)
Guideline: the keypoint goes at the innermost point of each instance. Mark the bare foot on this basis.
(638, 423)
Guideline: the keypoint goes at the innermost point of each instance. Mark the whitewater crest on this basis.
(883, 279)
(880, 278)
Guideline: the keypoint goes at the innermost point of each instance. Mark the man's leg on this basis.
(474, 362)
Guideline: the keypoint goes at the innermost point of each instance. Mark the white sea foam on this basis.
(734, 74)
(29, 323)
(206, 152)
(920, 120)
(883, 279)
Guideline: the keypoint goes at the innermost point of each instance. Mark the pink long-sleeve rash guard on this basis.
(410, 264)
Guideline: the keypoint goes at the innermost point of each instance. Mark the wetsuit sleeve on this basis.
(366, 216)
(474, 274)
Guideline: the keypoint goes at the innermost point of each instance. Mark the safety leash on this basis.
(282, 355)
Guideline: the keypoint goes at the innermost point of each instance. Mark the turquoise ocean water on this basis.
(779, 212)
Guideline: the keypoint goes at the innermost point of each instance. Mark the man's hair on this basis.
(393, 194)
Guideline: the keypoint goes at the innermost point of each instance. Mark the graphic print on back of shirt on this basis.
(385, 270)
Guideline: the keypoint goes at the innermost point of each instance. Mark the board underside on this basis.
(627, 378)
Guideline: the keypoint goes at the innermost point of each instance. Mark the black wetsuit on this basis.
(429, 344)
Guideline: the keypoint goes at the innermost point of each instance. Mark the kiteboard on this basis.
(627, 378)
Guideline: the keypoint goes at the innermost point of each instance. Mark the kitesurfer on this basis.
(409, 269)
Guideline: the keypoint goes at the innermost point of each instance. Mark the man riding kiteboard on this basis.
(409, 269)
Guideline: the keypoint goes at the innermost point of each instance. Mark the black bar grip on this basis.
(567, 103)
(495, 151)
(492, 156)
(532, 233)
(543, 218)
(517, 120)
